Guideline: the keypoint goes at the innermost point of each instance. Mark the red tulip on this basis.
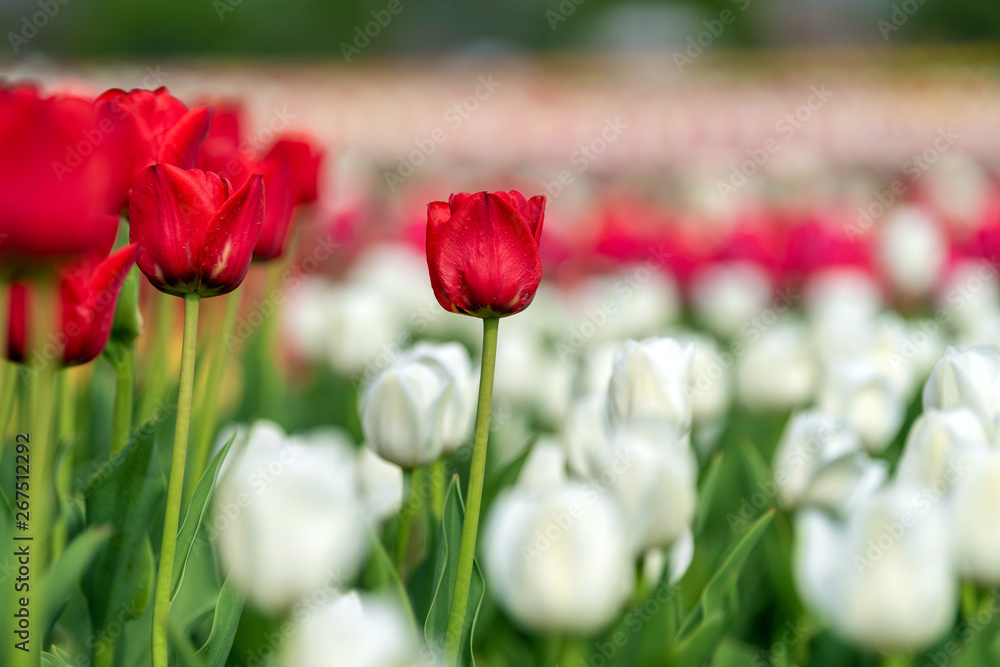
(57, 178)
(156, 127)
(194, 233)
(304, 158)
(278, 208)
(482, 252)
(88, 294)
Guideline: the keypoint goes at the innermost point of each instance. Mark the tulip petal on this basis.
(170, 214)
(486, 257)
(89, 306)
(183, 141)
(232, 235)
(438, 213)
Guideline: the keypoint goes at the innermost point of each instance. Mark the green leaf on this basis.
(227, 619)
(702, 642)
(706, 493)
(53, 660)
(380, 575)
(722, 585)
(63, 577)
(122, 494)
(194, 515)
(183, 651)
(445, 569)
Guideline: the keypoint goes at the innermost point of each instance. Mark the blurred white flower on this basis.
(532, 376)
(819, 462)
(976, 513)
(288, 515)
(711, 379)
(398, 273)
(593, 373)
(634, 303)
(970, 295)
(841, 305)
(728, 295)
(419, 407)
(651, 472)
(940, 447)
(912, 249)
(778, 369)
(353, 631)
(884, 580)
(970, 378)
(586, 434)
(380, 483)
(866, 400)
(650, 381)
(557, 560)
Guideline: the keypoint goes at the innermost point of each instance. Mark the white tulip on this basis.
(381, 485)
(711, 379)
(634, 303)
(586, 434)
(912, 249)
(940, 448)
(557, 561)
(420, 406)
(970, 295)
(778, 370)
(970, 378)
(288, 515)
(884, 581)
(866, 400)
(819, 461)
(353, 631)
(976, 512)
(360, 327)
(593, 373)
(727, 296)
(842, 305)
(651, 472)
(650, 380)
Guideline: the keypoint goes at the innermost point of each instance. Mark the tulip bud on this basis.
(976, 512)
(352, 631)
(651, 472)
(650, 381)
(970, 378)
(381, 485)
(940, 448)
(482, 252)
(557, 559)
(818, 462)
(912, 249)
(779, 369)
(884, 580)
(288, 515)
(866, 400)
(419, 407)
(194, 233)
(727, 296)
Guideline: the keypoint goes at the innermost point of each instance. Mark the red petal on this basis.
(183, 141)
(169, 218)
(487, 258)
(89, 309)
(228, 246)
(438, 213)
(278, 209)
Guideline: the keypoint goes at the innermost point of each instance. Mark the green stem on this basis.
(207, 413)
(477, 475)
(175, 486)
(104, 653)
(898, 660)
(970, 600)
(415, 479)
(438, 487)
(155, 378)
(64, 462)
(121, 420)
(8, 392)
(574, 652)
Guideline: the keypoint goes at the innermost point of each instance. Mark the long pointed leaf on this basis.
(227, 619)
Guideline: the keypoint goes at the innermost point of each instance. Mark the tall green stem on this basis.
(64, 460)
(477, 475)
(175, 487)
(121, 420)
(206, 422)
(410, 508)
(156, 368)
(438, 487)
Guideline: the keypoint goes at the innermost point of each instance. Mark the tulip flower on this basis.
(976, 511)
(970, 378)
(380, 484)
(57, 180)
(728, 295)
(367, 631)
(884, 580)
(88, 294)
(855, 391)
(304, 158)
(912, 250)
(152, 127)
(195, 235)
(304, 522)
(779, 369)
(482, 252)
(650, 381)
(550, 574)
(940, 447)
